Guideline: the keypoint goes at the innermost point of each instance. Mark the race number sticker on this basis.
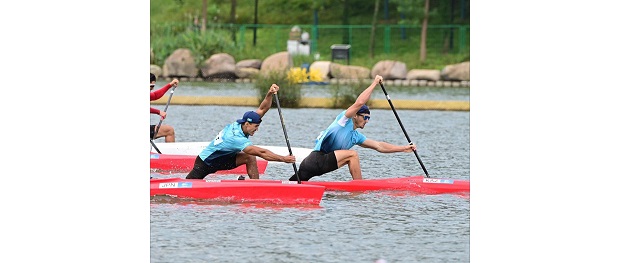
(437, 181)
(176, 185)
(219, 138)
(213, 181)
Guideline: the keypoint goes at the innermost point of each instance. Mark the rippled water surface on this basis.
(231, 89)
(346, 227)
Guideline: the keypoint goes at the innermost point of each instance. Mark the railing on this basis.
(452, 39)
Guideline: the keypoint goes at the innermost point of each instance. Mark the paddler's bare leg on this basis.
(250, 164)
(351, 158)
(167, 132)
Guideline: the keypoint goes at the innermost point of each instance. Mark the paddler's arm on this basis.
(362, 98)
(267, 102)
(384, 147)
(268, 155)
(154, 95)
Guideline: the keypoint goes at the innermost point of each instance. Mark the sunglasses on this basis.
(366, 117)
(152, 85)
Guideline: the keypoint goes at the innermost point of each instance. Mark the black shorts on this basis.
(316, 164)
(201, 169)
(152, 130)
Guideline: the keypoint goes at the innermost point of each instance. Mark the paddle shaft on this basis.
(401, 124)
(160, 123)
(282, 122)
(154, 146)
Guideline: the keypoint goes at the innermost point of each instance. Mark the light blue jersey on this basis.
(230, 140)
(338, 136)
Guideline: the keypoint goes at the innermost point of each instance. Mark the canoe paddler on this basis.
(166, 130)
(332, 146)
(232, 146)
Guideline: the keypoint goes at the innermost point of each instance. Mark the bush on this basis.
(345, 96)
(203, 46)
(289, 93)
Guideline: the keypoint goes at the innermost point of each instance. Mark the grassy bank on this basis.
(172, 27)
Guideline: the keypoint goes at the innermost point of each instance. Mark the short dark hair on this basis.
(364, 109)
(153, 77)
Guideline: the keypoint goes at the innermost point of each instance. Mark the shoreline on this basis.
(317, 103)
(397, 82)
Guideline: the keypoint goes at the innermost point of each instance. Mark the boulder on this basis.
(425, 74)
(279, 62)
(221, 65)
(389, 69)
(246, 73)
(249, 63)
(181, 63)
(458, 71)
(156, 70)
(340, 71)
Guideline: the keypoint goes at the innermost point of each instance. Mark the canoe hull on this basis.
(244, 191)
(417, 184)
(176, 163)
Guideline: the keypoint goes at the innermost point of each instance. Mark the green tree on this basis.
(233, 19)
(414, 15)
(204, 15)
(372, 30)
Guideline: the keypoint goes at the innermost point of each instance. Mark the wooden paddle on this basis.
(282, 122)
(404, 132)
(160, 123)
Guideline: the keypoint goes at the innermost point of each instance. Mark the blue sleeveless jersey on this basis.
(230, 140)
(338, 136)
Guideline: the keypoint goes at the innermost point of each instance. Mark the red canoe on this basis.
(243, 191)
(184, 163)
(418, 184)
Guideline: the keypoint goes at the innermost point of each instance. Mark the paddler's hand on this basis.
(273, 89)
(289, 159)
(174, 82)
(378, 79)
(409, 148)
(163, 115)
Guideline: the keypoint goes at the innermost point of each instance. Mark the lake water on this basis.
(230, 89)
(345, 227)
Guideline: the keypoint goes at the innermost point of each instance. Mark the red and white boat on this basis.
(243, 191)
(417, 183)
